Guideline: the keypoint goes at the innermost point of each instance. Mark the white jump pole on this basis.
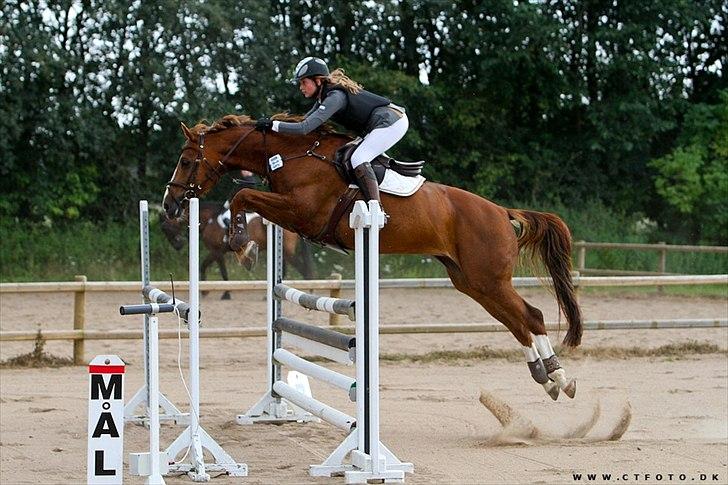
(377, 222)
(371, 459)
(155, 470)
(194, 323)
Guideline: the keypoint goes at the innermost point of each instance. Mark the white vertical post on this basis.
(144, 259)
(271, 408)
(142, 397)
(274, 260)
(360, 312)
(376, 222)
(194, 316)
(270, 298)
(371, 460)
(155, 475)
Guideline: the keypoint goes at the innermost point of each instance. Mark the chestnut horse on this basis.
(215, 239)
(472, 237)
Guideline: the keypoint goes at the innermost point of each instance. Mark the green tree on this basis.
(693, 178)
(49, 165)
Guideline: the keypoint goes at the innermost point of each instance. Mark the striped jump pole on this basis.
(368, 459)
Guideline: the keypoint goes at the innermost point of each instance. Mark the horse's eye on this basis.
(185, 162)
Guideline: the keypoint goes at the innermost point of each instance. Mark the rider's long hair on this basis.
(339, 77)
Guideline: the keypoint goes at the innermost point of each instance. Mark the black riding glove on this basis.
(264, 124)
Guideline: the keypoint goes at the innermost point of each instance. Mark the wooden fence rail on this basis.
(663, 248)
(226, 332)
(81, 286)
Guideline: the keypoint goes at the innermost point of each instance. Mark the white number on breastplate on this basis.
(275, 162)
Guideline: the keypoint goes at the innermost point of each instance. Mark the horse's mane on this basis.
(230, 121)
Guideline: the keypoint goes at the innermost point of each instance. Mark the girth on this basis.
(327, 236)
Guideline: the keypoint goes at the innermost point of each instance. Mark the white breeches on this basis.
(378, 141)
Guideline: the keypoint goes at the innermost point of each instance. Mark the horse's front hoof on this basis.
(237, 242)
(570, 388)
(225, 296)
(251, 254)
(248, 256)
(552, 389)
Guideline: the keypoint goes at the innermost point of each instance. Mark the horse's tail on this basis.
(549, 235)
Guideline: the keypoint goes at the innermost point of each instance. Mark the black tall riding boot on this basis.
(367, 182)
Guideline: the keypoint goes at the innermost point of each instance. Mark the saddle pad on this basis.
(396, 184)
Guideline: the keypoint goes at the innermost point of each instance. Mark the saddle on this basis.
(342, 162)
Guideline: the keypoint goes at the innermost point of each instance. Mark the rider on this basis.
(378, 121)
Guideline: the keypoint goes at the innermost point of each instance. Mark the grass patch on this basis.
(36, 358)
(689, 348)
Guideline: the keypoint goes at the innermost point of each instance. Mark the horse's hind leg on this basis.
(501, 301)
(546, 352)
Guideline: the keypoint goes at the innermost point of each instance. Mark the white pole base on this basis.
(140, 465)
(359, 470)
(195, 466)
(334, 464)
(387, 461)
(170, 411)
(275, 410)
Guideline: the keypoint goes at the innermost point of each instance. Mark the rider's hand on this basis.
(264, 124)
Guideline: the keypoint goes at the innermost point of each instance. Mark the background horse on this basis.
(215, 239)
(471, 236)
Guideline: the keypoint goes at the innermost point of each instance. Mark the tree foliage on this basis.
(544, 101)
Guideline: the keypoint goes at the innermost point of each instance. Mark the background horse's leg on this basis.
(223, 272)
(301, 260)
(215, 239)
(305, 258)
(203, 268)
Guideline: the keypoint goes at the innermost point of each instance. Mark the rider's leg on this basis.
(374, 144)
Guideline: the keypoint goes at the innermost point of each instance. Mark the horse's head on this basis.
(173, 230)
(203, 161)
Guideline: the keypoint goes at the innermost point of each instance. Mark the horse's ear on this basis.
(186, 131)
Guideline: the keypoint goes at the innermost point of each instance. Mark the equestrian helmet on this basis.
(310, 67)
